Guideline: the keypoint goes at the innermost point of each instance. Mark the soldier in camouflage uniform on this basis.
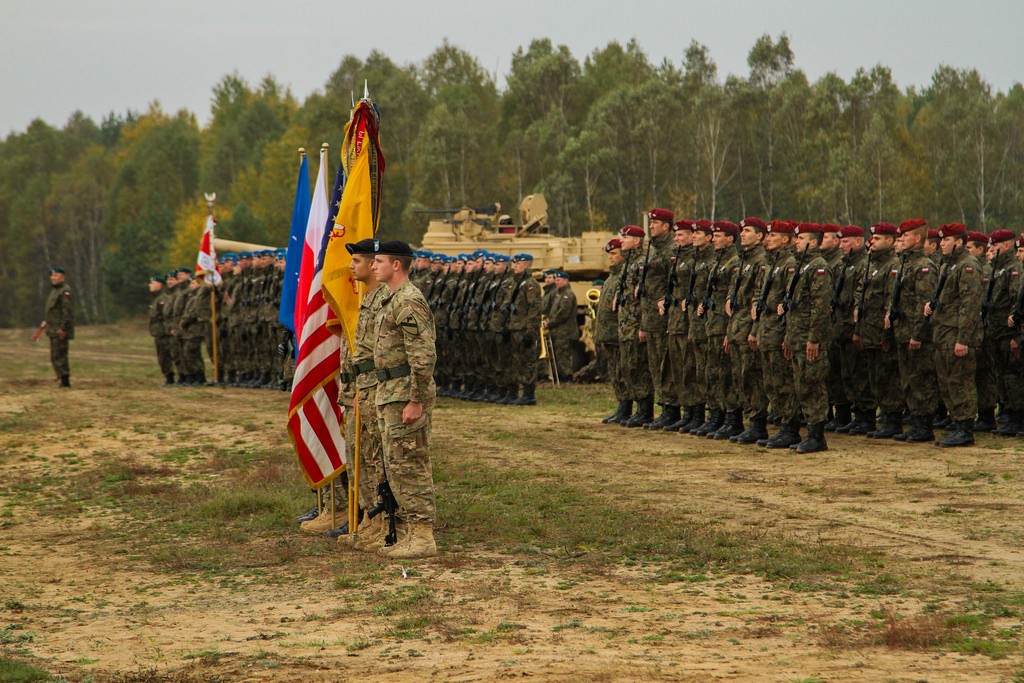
(523, 331)
(404, 356)
(955, 328)
(59, 322)
(653, 323)
(195, 328)
(632, 353)
(606, 330)
(158, 327)
(833, 255)
(696, 331)
(562, 326)
(855, 379)
(678, 373)
(985, 378)
(176, 298)
(1006, 271)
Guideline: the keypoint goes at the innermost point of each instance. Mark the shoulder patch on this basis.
(1014, 273)
(821, 271)
(410, 325)
(925, 270)
(969, 269)
(67, 292)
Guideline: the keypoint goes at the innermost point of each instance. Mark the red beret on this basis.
(661, 215)
(979, 237)
(682, 224)
(829, 227)
(752, 222)
(851, 231)
(613, 243)
(933, 234)
(952, 229)
(781, 227)
(1019, 242)
(807, 229)
(631, 231)
(883, 229)
(998, 236)
(728, 227)
(703, 225)
(911, 224)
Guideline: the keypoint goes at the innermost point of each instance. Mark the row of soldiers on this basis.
(822, 325)
(252, 347)
(490, 314)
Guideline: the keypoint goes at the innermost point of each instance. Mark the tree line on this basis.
(116, 201)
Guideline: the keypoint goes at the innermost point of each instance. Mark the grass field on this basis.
(148, 534)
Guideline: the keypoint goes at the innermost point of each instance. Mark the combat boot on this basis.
(372, 533)
(323, 522)
(892, 424)
(941, 419)
(644, 413)
(712, 424)
(986, 421)
(921, 429)
(417, 544)
(1013, 423)
(815, 440)
(624, 411)
(732, 426)
(757, 431)
(789, 435)
(377, 542)
(864, 423)
(841, 419)
(510, 395)
(170, 379)
(669, 415)
(830, 418)
(695, 421)
(683, 420)
(529, 397)
(962, 434)
(65, 382)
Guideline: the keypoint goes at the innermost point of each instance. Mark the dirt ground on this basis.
(76, 600)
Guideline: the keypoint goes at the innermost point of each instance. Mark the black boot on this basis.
(695, 421)
(986, 421)
(669, 415)
(789, 435)
(815, 440)
(65, 382)
(921, 429)
(757, 431)
(529, 397)
(864, 423)
(733, 426)
(716, 416)
(1013, 423)
(842, 418)
(170, 379)
(962, 435)
(892, 424)
(830, 419)
(683, 420)
(941, 419)
(624, 411)
(644, 413)
(511, 395)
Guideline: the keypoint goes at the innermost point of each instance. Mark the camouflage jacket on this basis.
(404, 343)
(753, 269)
(525, 314)
(195, 318)
(362, 355)
(873, 295)
(606, 328)
(844, 286)
(629, 312)
(808, 319)
(715, 320)
(768, 329)
(562, 321)
(1006, 271)
(60, 314)
(157, 324)
(697, 330)
(918, 285)
(657, 269)
(677, 322)
(958, 318)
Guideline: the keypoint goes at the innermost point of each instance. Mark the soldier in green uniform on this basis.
(747, 373)
(808, 334)
(195, 328)
(522, 331)
(833, 255)
(955, 321)
(696, 331)
(606, 330)
(854, 378)
(653, 323)
(985, 378)
(158, 327)
(176, 299)
(59, 323)
(678, 373)
(726, 415)
(404, 356)
(632, 352)
(562, 326)
(1006, 272)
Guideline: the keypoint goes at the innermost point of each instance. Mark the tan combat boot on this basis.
(376, 542)
(367, 529)
(418, 543)
(323, 523)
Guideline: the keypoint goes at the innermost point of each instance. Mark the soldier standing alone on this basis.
(60, 325)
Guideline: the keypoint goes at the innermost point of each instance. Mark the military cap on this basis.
(952, 230)
(392, 248)
(614, 243)
(244, 254)
(363, 247)
(522, 257)
(1019, 243)
(562, 274)
(631, 231)
(465, 257)
(780, 227)
(977, 237)
(682, 224)
(728, 227)
(185, 269)
(437, 258)
(752, 222)
(550, 271)
(158, 278)
(933, 234)
(420, 253)
(56, 269)
(661, 215)
(911, 224)
(998, 236)
(173, 272)
(597, 283)
(703, 225)
(807, 229)
(503, 258)
(830, 227)
(282, 252)
(490, 257)
(883, 229)
(851, 231)
(479, 253)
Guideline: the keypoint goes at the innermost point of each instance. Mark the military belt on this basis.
(394, 373)
(365, 366)
(348, 377)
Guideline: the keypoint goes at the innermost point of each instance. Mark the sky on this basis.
(102, 56)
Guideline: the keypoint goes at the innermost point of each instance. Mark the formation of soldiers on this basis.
(490, 314)
(253, 348)
(731, 326)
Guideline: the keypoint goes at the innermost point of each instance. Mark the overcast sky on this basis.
(112, 55)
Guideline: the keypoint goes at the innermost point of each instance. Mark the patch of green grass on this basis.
(14, 671)
(11, 636)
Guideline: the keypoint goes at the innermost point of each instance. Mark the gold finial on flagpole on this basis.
(211, 197)
(302, 151)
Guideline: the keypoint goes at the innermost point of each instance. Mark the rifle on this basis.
(673, 277)
(386, 503)
(510, 308)
(736, 283)
(787, 301)
(987, 303)
(487, 307)
(840, 283)
(42, 326)
(690, 300)
(713, 279)
(641, 287)
(861, 305)
(941, 284)
(762, 300)
(620, 294)
(897, 292)
(468, 299)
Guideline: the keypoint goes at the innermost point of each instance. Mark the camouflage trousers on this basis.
(614, 365)
(699, 351)
(176, 355)
(164, 354)
(956, 380)
(561, 350)
(192, 356)
(524, 353)
(748, 380)
(883, 376)
(917, 379)
(810, 379)
(858, 385)
(657, 350)
(636, 378)
(371, 451)
(59, 356)
(779, 383)
(1009, 373)
(680, 372)
(718, 377)
(407, 461)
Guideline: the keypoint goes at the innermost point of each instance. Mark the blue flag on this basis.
(296, 241)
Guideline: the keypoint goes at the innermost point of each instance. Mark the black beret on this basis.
(392, 248)
(363, 247)
(56, 269)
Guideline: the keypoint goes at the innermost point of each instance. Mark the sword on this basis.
(42, 326)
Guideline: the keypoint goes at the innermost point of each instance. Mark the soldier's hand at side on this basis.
(411, 412)
(786, 352)
(728, 308)
(683, 304)
(752, 342)
(62, 334)
(700, 310)
(1015, 348)
(914, 345)
(886, 323)
(725, 345)
(780, 310)
(855, 316)
(642, 336)
(1010, 322)
(857, 342)
(885, 346)
(959, 350)
(812, 351)
(661, 307)
(928, 309)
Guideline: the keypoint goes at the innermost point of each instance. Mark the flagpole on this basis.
(210, 199)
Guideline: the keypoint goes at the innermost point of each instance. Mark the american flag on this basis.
(314, 416)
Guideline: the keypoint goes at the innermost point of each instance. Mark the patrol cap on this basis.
(661, 215)
(522, 257)
(682, 224)
(752, 222)
(830, 227)
(702, 225)
(631, 231)
(728, 227)
(952, 230)
(613, 243)
(851, 231)
(780, 227)
(56, 269)
(1002, 235)
(977, 237)
(363, 247)
(883, 229)
(911, 224)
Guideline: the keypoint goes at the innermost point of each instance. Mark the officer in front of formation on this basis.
(59, 324)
